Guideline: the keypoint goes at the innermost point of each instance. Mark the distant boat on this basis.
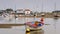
(56, 16)
(43, 15)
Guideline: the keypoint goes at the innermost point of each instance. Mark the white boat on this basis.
(28, 27)
(31, 28)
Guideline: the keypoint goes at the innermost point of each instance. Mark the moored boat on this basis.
(36, 25)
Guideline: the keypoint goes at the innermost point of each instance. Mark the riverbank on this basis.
(9, 25)
(47, 16)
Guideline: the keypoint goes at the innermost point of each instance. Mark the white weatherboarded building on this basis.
(27, 11)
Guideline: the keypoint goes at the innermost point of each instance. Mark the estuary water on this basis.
(52, 27)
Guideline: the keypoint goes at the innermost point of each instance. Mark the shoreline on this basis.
(36, 17)
(10, 25)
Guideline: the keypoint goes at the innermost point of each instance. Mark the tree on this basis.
(9, 10)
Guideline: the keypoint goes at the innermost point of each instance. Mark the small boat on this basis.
(56, 16)
(32, 26)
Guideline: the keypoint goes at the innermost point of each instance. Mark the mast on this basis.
(54, 6)
(42, 6)
(42, 9)
(56, 15)
(15, 13)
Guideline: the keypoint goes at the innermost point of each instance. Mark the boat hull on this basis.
(37, 28)
(32, 26)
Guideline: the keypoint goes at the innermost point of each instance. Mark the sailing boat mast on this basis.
(42, 7)
(55, 14)
(15, 13)
(55, 6)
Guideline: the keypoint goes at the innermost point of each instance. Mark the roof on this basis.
(56, 11)
(2, 10)
(27, 10)
(19, 9)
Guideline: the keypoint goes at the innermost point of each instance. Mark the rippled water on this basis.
(53, 28)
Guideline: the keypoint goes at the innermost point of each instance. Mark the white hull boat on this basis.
(28, 27)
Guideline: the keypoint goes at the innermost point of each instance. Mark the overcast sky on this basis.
(35, 5)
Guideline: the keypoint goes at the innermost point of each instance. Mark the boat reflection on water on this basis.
(36, 32)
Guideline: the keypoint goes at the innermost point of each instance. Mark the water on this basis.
(53, 28)
(13, 30)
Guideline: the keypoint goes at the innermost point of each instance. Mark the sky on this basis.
(34, 5)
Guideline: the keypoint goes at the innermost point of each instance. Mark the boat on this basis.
(30, 26)
(56, 16)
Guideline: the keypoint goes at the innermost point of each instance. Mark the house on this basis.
(19, 11)
(2, 11)
(28, 12)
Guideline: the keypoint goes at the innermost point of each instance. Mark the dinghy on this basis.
(31, 26)
(35, 25)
